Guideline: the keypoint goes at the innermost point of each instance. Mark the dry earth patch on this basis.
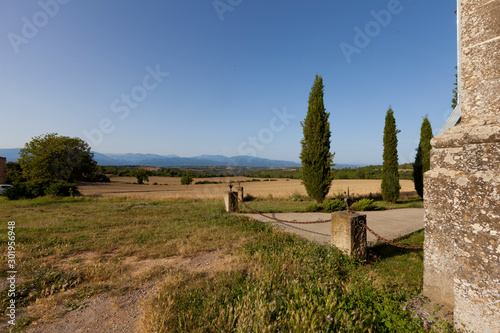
(112, 312)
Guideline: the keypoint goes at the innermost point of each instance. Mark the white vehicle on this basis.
(4, 187)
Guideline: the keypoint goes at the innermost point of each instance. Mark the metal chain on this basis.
(310, 231)
(276, 219)
(385, 240)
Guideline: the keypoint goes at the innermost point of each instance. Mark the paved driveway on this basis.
(390, 224)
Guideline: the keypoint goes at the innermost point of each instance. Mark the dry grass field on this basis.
(170, 188)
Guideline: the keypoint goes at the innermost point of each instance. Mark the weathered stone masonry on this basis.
(462, 189)
(2, 169)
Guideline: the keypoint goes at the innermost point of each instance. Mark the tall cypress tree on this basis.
(423, 159)
(317, 161)
(418, 175)
(454, 100)
(390, 171)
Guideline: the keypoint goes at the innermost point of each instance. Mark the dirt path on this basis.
(101, 314)
(106, 313)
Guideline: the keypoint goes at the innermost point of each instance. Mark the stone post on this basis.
(240, 193)
(462, 189)
(231, 202)
(3, 160)
(348, 234)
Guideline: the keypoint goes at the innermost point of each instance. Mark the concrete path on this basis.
(390, 224)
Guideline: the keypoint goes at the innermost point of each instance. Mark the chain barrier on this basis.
(276, 219)
(385, 240)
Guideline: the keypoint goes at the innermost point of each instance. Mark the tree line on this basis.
(52, 164)
(317, 170)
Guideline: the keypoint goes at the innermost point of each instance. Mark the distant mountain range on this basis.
(173, 160)
(177, 161)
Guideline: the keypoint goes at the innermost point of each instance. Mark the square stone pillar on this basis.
(462, 189)
(348, 234)
(231, 202)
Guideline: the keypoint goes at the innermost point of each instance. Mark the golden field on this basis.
(171, 188)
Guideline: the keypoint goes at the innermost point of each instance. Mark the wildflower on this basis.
(329, 318)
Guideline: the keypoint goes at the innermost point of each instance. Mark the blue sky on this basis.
(229, 77)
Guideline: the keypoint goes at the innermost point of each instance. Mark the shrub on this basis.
(61, 189)
(296, 196)
(249, 197)
(364, 205)
(334, 205)
(18, 191)
(314, 208)
(33, 189)
(99, 178)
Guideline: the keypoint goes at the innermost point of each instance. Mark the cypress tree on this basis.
(454, 100)
(423, 159)
(317, 161)
(418, 175)
(390, 171)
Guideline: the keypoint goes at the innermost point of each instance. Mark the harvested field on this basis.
(171, 188)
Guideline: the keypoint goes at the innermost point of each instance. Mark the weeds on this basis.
(71, 249)
(292, 286)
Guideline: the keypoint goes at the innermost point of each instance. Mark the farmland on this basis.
(112, 264)
(171, 188)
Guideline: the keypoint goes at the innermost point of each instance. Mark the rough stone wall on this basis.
(3, 160)
(462, 189)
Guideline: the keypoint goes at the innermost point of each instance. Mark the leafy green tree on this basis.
(423, 158)
(390, 172)
(53, 157)
(13, 173)
(317, 161)
(141, 175)
(187, 179)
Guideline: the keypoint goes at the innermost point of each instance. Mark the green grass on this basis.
(406, 202)
(276, 282)
(275, 206)
(291, 285)
(291, 206)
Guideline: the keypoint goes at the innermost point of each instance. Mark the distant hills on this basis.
(197, 161)
(173, 160)
(165, 161)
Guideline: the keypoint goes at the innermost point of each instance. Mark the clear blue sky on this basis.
(184, 77)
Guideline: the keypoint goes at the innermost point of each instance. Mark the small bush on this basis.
(18, 191)
(34, 189)
(296, 196)
(334, 205)
(249, 197)
(99, 177)
(314, 208)
(61, 189)
(364, 205)
(26, 190)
